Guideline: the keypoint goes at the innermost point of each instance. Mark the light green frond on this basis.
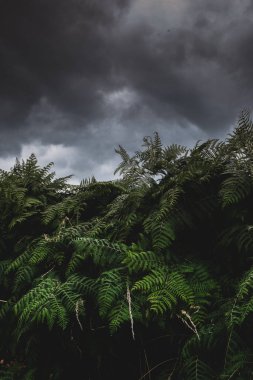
(111, 287)
(119, 315)
(155, 280)
(141, 260)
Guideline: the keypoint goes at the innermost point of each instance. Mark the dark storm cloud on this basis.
(54, 49)
(197, 70)
(90, 74)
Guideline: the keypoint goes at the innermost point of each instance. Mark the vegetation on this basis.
(149, 277)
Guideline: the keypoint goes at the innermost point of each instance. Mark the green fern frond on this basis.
(196, 369)
(83, 285)
(234, 189)
(161, 300)
(102, 251)
(141, 260)
(154, 280)
(110, 289)
(168, 203)
(24, 276)
(77, 259)
(61, 210)
(174, 152)
(242, 305)
(245, 285)
(31, 202)
(236, 357)
(50, 302)
(162, 233)
(21, 218)
(40, 252)
(209, 340)
(119, 315)
(174, 289)
(125, 160)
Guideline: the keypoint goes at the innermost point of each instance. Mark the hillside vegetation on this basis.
(149, 277)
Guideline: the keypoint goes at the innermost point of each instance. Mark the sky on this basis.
(80, 77)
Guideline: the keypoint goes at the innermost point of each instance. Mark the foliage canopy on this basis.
(146, 277)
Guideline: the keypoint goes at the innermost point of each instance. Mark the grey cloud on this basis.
(54, 49)
(91, 74)
(199, 70)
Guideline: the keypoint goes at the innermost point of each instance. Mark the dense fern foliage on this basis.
(149, 277)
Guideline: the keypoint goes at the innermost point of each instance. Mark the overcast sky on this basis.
(79, 77)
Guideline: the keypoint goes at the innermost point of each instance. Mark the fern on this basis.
(236, 359)
(110, 289)
(102, 251)
(162, 233)
(242, 305)
(83, 285)
(119, 315)
(62, 210)
(234, 189)
(168, 203)
(162, 254)
(154, 280)
(40, 252)
(24, 276)
(141, 260)
(164, 289)
(196, 369)
(49, 302)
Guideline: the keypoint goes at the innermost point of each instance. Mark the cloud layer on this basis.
(83, 76)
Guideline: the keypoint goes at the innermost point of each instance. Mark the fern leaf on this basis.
(141, 261)
(195, 369)
(110, 289)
